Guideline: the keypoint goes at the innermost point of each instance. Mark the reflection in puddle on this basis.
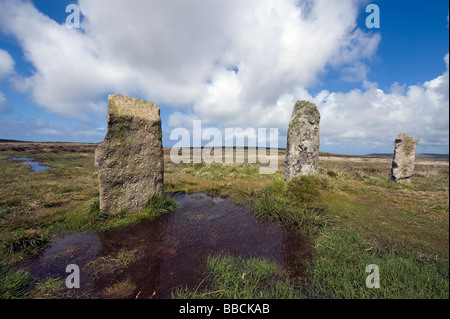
(34, 164)
(171, 251)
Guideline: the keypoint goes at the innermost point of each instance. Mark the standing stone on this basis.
(303, 140)
(130, 160)
(404, 158)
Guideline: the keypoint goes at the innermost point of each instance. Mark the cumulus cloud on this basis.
(228, 63)
(372, 117)
(214, 58)
(6, 69)
(69, 78)
(6, 64)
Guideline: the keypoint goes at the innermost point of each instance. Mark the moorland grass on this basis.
(352, 213)
(14, 283)
(354, 216)
(341, 258)
(231, 277)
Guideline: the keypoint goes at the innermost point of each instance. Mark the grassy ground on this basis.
(239, 278)
(352, 213)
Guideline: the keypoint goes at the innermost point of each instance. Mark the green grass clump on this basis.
(274, 204)
(154, 207)
(230, 277)
(14, 283)
(112, 264)
(306, 189)
(23, 242)
(302, 219)
(88, 217)
(160, 205)
(50, 288)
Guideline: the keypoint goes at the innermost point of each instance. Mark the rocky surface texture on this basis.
(303, 140)
(130, 160)
(404, 158)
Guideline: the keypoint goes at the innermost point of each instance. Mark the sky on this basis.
(229, 64)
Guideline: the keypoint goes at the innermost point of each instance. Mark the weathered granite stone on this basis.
(130, 160)
(404, 158)
(303, 141)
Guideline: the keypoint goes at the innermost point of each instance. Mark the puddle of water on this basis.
(172, 250)
(36, 167)
(78, 249)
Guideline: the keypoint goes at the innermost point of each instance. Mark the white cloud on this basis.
(183, 53)
(69, 78)
(6, 69)
(229, 63)
(6, 64)
(3, 103)
(372, 117)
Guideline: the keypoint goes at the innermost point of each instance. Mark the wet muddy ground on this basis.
(154, 257)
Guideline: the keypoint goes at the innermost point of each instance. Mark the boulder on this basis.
(404, 158)
(130, 161)
(303, 141)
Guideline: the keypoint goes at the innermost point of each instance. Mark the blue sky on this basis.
(230, 65)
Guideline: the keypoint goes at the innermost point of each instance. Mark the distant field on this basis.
(351, 212)
(87, 147)
(437, 157)
(12, 141)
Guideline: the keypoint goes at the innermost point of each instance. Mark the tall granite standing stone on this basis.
(130, 160)
(404, 158)
(303, 141)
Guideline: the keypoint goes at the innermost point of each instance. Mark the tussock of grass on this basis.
(231, 277)
(155, 207)
(160, 205)
(14, 283)
(120, 290)
(89, 217)
(51, 288)
(305, 220)
(112, 264)
(24, 242)
(306, 189)
(285, 204)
